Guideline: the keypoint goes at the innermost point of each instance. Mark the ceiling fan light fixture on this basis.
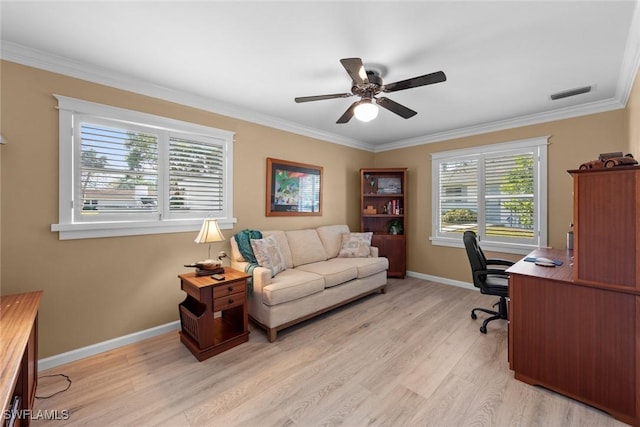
(366, 110)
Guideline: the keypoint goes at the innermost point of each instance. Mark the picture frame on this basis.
(389, 185)
(293, 189)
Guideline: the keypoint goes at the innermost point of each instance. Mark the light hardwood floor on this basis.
(411, 357)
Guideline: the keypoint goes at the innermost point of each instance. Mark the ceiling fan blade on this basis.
(321, 97)
(356, 70)
(427, 79)
(394, 107)
(348, 114)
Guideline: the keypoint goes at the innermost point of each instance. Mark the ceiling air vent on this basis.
(570, 92)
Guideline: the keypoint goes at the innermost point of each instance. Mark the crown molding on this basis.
(628, 73)
(38, 59)
(43, 60)
(631, 59)
(532, 119)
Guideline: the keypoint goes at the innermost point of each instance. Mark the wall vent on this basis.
(570, 92)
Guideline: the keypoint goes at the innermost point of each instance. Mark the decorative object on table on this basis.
(209, 233)
(395, 227)
(293, 189)
(609, 160)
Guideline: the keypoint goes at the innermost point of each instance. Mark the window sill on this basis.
(132, 228)
(508, 248)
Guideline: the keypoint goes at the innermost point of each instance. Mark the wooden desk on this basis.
(579, 339)
(19, 356)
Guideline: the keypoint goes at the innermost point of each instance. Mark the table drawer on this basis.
(229, 301)
(229, 288)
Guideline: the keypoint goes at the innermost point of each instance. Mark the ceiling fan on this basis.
(367, 84)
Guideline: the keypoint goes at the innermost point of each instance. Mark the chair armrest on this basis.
(495, 261)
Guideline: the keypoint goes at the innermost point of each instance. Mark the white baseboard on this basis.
(443, 280)
(80, 353)
(73, 355)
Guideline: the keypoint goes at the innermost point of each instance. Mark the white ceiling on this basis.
(250, 59)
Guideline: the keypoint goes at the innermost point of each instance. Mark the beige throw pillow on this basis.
(268, 254)
(355, 245)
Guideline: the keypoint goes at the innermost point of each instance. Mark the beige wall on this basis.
(98, 289)
(572, 142)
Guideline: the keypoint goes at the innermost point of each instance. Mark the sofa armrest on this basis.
(373, 252)
(261, 275)
(261, 278)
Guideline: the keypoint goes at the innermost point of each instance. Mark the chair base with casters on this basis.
(495, 315)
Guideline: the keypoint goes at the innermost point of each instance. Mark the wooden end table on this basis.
(213, 316)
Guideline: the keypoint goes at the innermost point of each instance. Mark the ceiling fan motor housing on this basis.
(373, 87)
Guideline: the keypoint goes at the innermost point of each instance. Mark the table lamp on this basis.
(209, 233)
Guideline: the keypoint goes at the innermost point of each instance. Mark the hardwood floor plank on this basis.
(410, 357)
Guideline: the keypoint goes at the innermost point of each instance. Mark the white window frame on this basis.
(71, 110)
(539, 146)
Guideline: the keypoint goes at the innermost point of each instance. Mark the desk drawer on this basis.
(229, 288)
(229, 301)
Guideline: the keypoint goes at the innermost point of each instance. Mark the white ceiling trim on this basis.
(45, 61)
(38, 59)
(631, 59)
(533, 119)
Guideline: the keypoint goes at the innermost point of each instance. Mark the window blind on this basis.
(497, 190)
(119, 170)
(196, 176)
(508, 194)
(458, 208)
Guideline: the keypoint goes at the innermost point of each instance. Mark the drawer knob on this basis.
(230, 288)
(230, 300)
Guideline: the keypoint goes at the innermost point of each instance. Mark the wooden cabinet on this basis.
(575, 329)
(606, 210)
(214, 315)
(392, 247)
(19, 361)
(383, 211)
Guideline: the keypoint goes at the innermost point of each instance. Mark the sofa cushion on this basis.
(290, 285)
(283, 243)
(267, 253)
(369, 266)
(331, 237)
(335, 271)
(305, 246)
(355, 245)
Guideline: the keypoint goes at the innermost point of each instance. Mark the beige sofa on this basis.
(317, 277)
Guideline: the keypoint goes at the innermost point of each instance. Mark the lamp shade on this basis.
(366, 110)
(210, 232)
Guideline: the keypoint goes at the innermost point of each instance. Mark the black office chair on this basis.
(491, 281)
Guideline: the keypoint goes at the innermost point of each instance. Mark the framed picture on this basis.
(293, 189)
(389, 185)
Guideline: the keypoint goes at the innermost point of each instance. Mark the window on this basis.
(499, 191)
(125, 173)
